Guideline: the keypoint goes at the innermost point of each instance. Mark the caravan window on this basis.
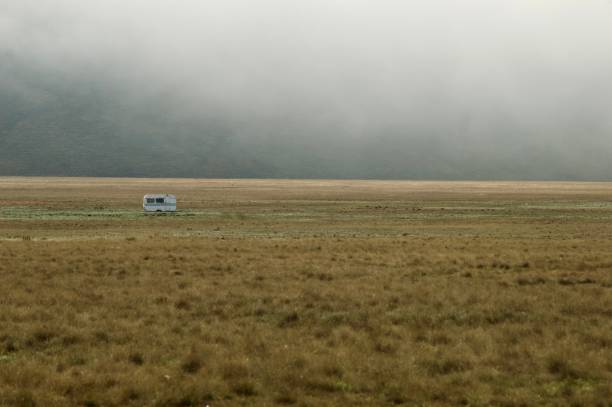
(159, 200)
(150, 200)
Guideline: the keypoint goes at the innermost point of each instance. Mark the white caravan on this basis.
(159, 203)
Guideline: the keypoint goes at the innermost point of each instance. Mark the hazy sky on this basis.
(483, 77)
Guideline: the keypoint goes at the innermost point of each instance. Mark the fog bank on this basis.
(327, 89)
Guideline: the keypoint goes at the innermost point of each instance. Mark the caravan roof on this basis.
(159, 196)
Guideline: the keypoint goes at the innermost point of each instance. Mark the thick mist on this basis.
(334, 89)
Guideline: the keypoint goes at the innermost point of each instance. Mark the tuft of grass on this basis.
(191, 364)
(285, 397)
(182, 305)
(136, 358)
(395, 395)
(244, 388)
(559, 366)
(23, 398)
(234, 371)
(289, 319)
(446, 365)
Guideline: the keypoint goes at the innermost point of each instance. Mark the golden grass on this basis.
(305, 293)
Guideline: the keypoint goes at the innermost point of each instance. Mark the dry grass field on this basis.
(305, 293)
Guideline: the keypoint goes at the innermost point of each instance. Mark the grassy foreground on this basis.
(306, 293)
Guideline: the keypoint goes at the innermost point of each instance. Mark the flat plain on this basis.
(306, 293)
